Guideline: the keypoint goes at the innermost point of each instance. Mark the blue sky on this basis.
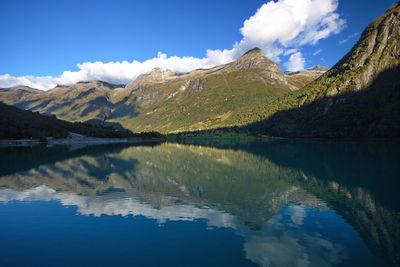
(47, 37)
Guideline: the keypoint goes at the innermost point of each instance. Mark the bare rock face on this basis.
(252, 59)
(377, 50)
(196, 85)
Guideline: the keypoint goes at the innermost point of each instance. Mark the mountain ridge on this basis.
(163, 100)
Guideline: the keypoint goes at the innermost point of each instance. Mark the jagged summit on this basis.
(255, 59)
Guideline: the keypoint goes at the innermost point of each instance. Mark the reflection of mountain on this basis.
(16, 159)
(249, 192)
(236, 182)
(352, 177)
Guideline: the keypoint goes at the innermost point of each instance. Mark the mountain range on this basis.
(358, 97)
(166, 101)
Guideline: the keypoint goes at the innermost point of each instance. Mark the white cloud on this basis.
(279, 28)
(290, 51)
(296, 62)
(41, 82)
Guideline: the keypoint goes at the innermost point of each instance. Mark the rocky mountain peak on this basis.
(255, 52)
(253, 59)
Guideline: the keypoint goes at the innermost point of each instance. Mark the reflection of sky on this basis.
(284, 240)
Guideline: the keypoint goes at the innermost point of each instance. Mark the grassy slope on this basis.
(215, 105)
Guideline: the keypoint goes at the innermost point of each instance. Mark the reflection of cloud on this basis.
(296, 62)
(297, 214)
(277, 243)
(121, 204)
(42, 193)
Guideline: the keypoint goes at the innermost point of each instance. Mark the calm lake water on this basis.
(281, 203)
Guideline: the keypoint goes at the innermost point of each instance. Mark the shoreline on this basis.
(76, 141)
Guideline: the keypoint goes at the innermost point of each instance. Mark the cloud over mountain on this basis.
(296, 62)
(276, 27)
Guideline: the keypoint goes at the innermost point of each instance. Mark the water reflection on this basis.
(291, 202)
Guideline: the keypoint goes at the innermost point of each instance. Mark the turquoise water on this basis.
(281, 203)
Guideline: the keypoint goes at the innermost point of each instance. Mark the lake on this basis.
(276, 203)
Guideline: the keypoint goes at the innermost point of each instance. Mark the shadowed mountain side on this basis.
(17, 124)
(97, 122)
(373, 112)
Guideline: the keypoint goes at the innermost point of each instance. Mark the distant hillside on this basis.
(19, 124)
(166, 101)
(302, 78)
(358, 97)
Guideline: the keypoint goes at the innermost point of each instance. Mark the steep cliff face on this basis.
(358, 97)
(377, 50)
